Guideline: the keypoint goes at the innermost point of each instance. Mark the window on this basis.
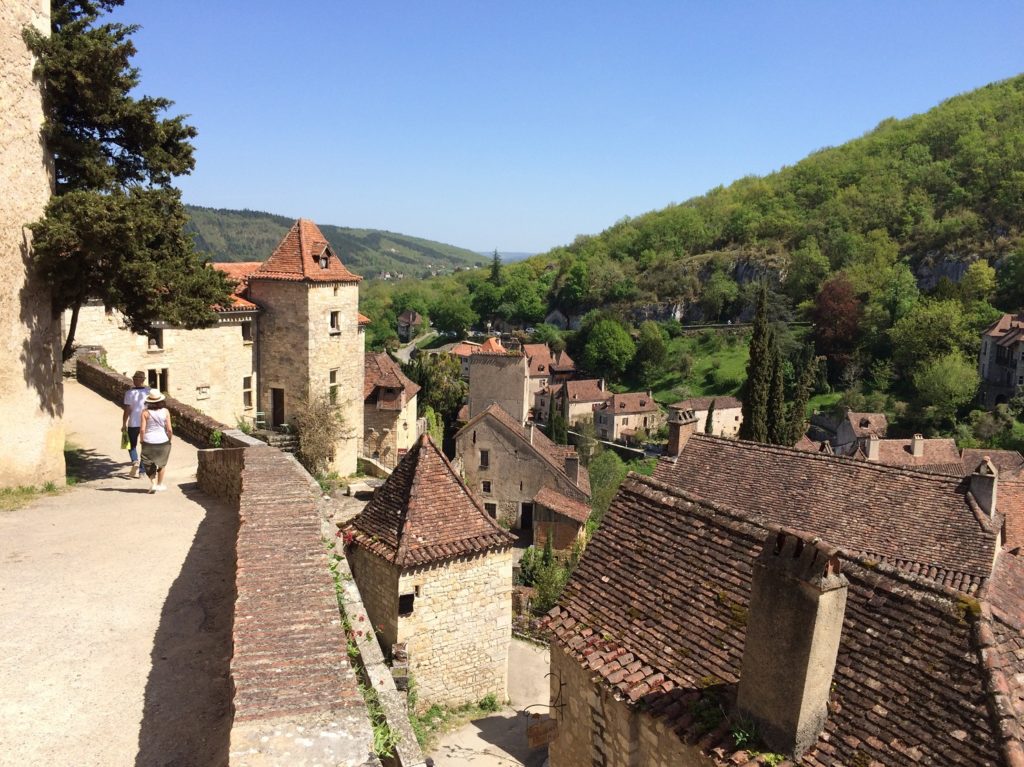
(486, 485)
(156, 340)
(332, 388)
(405, 604)
(335, 322)
(485, 459)
(157, 379)
(247, 332)
(203, 391)
(335, 290)
(247, 392)
(492, 509)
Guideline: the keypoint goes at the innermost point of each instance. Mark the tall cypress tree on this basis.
(757, 387)
(798, 409)
(778, 423)
(709, 423)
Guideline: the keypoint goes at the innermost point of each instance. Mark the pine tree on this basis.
(709, 424)
(114, 229)
(756, 389)
(778, 422)
(496, 269)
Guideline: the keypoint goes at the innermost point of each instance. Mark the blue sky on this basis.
(519, 125)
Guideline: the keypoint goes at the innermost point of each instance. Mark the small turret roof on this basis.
(299, 256)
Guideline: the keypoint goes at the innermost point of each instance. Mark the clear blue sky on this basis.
(519, 125)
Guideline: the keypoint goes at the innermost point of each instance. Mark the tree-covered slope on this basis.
(246, 235)
(939, 187)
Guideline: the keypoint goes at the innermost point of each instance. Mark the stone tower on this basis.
(435, 573)
(32, 448)
(310, 334)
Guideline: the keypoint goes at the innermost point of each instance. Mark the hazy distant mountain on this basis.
(248, 235)
(507, 257)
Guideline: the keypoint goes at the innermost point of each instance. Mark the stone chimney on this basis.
(681, 426)
(797, 604)
(872, 447)
(983, 486)
(917, 446)
(572, 467)
(529, 426)
(601, 384)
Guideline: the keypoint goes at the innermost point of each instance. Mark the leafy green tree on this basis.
(451, 315)
(808, 268)
(606, 474)
(486, 300)
(718, 293)
(946, 383)
(709, 422)
(1010, 281)
(609, 349)
(651, 349)
(757, 387)
(114, 230)
(559, 429)
(978, 282)
(440, 376)
(931, 329)
(435, 426)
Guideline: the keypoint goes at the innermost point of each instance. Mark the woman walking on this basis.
(156, 436)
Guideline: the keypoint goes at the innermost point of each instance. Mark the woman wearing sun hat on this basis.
(156, 439)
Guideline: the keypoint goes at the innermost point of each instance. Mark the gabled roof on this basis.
(1008, 462)
(492, 346)
(586, 390)
(543, 447)
(703, 403)
(238, 272)
(809, 445)
(568, 507)
(299, 255)
(382, 372)
(927, 524)
(464, 348)
(409, 317)
(562, 362)
(425, 513)
(1007, 328)
(867, 424)
(900, 452)
(657, 610)
(629, 403)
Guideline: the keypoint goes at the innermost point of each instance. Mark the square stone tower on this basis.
(32, 450)
(310, 334)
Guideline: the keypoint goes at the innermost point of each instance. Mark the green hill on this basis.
(940, 189)
(247, 235)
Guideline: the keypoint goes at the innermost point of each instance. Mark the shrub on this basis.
(320, 425)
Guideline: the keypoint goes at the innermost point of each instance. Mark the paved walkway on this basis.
(116, 612)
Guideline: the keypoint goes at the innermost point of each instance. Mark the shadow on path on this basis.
(85, 464)
(187, 713)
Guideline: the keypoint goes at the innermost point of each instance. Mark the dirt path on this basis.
(116, 612)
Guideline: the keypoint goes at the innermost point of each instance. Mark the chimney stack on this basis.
(983, 486)
(872, 446)
(917, 446)
(681, 426)
(572, 467)
(797, 604)
(529, 426)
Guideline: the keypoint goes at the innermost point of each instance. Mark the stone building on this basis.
(435, 573)
(848, 643)
(409, 324)
(1001, 360)
(628, 417)
(32, 452)
(559, 518)
(855, 429)
(725, 419)
(575, 399)
(389, 410)
(506, 464)
(547, 367)
(500, 378)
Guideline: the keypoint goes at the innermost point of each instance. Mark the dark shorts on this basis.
(156, 455)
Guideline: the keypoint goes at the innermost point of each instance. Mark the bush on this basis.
(319, 425)
(489, 702)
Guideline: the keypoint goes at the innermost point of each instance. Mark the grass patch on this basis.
(12, 498)
(822, 402)
(704, 366)
(430, 724)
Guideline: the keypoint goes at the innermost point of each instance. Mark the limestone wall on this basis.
(596, 729)
(378, 586)
(460, 628)
(503, 379)
(32, 451)
(205, 367)
(725, 423)
(387, 434)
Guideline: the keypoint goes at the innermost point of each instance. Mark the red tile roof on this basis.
(1007, 329)
(562, 362)
(409, 317)
(586, 390)
(464, 349)
(703, 403)
(1010, 502)
(544, 363)
(809, 445)
(866, 424)
(425, 513)
(299, 255)
(923, 523)
(1008, 462)
(629, 403)
(568, 507)
(900, 452)
(382, 372)
(238, 272)
(657, 610)
(362, 319)
(492, 346)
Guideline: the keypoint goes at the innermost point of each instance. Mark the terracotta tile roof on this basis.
(900, 452)
(656, 611)
(568, 507)
(492, 346)
(587, 390)
(539, 357)
(238, 272)
(409, 317)
(1010, 502)
(866, 424)
(1007, 328)
(923, 523)
(1001, 636)
(464, 349)
(703, 403)
(629, 403)
(425, 513)
(362, 319)
(553, 454)
(382, 372)
(810, 446)
(298, 258)
(562, 362)
(1008, 462)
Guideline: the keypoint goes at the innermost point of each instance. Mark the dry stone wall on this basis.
(32, 452)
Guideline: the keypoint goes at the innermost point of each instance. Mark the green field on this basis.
(708, 365)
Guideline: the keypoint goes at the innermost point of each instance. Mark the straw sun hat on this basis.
(154, 396)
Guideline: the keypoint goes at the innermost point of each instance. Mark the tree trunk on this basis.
(69, 342)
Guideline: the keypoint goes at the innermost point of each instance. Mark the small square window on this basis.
(485, 459)
(486, 486)
(335, 322)
(406, 603)
(156, 340)
(203, 391)
(247, 332)
(492, 509)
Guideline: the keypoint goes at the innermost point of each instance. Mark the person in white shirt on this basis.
(156, 439)
(131, 420)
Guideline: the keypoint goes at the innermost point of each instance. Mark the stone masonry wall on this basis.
(281, 335)
(596, 730)
(501, 379)
(378, 585)
(401, 434)
(205, 366)
(459, 632)
(32, 452)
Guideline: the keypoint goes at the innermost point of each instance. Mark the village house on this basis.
(938, 455)
(547, 368)
(726, 418)
(464, 350)
(506, 464)
(499, 378)
(575, 400)
(855, 429)
(627, 417)
(390, 427)
(292, 331)
(561, 519)
(700, 628)
(409, 324)
(435, 574)
(1001, 360)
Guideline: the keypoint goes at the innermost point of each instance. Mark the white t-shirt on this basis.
(136, 397)
(156, 427)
